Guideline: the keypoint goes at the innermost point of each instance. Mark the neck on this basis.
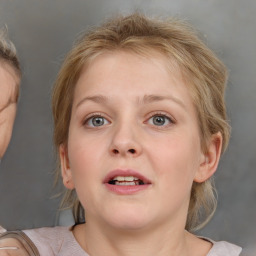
(163, 241)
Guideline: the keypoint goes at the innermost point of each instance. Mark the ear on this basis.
(209, 160)
(65, 168)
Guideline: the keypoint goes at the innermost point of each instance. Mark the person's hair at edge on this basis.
(8, 55)
(204, 73)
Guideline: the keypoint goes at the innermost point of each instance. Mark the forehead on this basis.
(112, 70)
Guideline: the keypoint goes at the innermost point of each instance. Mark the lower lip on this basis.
(126, 190)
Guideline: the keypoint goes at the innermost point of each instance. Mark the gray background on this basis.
(43, 31)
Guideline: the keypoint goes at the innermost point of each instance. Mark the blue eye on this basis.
(160, 120)
(96, 121)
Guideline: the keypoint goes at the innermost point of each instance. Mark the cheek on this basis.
(84, 156)
(86, 163)
(177, 160)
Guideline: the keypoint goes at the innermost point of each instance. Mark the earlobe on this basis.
(65, 167)
(210, 159)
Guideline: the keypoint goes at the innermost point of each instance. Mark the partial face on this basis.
(134, 147)
(8, 81)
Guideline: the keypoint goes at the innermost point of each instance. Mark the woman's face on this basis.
(8, 81)
(134, 147)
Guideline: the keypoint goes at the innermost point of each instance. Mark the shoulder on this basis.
(53, 241)
(223, 248)
(48, 233)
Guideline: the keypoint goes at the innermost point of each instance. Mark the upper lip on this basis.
(125, 173)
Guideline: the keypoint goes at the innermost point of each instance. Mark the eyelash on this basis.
(90, 118)
(162, 114)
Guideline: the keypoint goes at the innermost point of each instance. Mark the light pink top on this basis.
(60, 241)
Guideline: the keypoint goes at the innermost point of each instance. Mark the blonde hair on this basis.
(205, 75)
(8, 55)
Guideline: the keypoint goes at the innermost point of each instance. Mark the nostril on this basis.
(131, 150)
(115, 151)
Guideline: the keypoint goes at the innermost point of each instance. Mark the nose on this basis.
(125, 142)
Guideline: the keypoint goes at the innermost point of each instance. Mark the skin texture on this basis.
(8, 83)
(128, 92)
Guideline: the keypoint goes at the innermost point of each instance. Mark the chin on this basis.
(129, 220)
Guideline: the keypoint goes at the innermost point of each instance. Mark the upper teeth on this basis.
(125, 178)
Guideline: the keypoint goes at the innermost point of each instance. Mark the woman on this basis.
(140, 125)
(10, 76)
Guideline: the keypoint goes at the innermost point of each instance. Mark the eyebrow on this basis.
(147, 99)
(154, 98)
(96, 98)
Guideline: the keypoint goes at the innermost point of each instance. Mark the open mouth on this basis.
(126, 181)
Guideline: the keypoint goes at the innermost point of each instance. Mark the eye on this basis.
(160, 120)
(96, 121)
